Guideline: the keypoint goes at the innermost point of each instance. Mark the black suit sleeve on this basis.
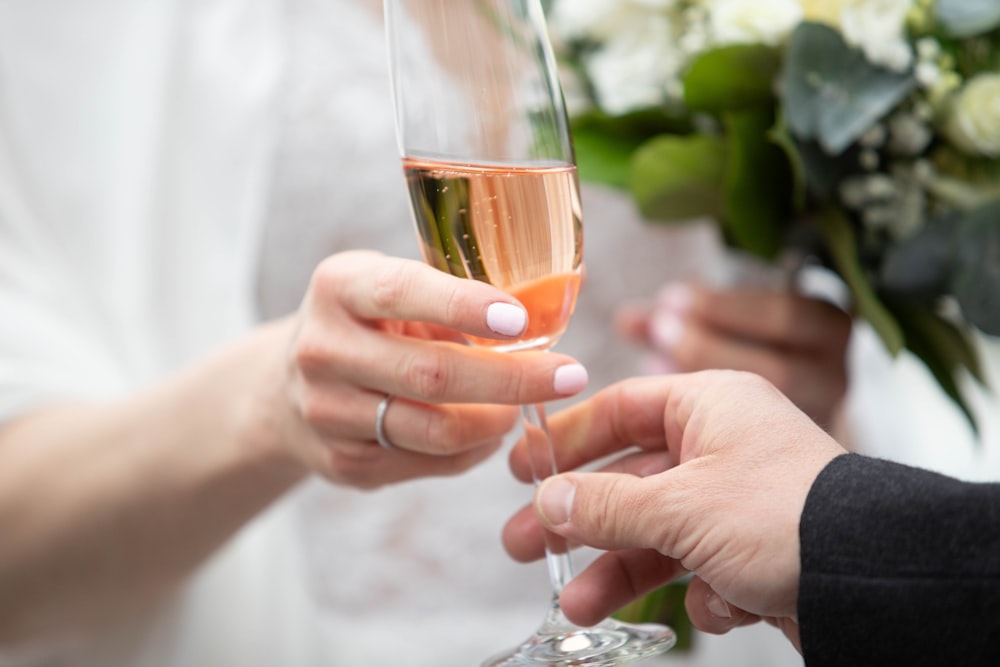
(900, 566)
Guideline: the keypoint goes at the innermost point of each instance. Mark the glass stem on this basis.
(543, 464)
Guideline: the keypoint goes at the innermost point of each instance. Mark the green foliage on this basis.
(921, 266)
(758, 185)
(943, 347)
(605, 144)
(764, 140)
(843, 247)
(733, 78)
(676, 178)
(976, 279)
(832, 94)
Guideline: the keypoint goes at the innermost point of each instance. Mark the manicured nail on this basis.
(666, 329)
(506, 319)
(570, 379)
(718, 607)
(676, 297)
(555, 499)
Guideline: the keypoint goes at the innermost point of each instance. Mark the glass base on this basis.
(558, 643)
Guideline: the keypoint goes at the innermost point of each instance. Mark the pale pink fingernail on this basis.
(555, 499)
(506, 319)
(666, 329)
(717, 606)
(676, 297)
(570, 379)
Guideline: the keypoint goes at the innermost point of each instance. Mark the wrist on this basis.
(262, 418)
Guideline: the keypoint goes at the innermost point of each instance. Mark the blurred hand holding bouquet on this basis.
(864, 134)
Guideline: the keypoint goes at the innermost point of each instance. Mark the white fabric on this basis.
(134, 147)
(145, 150)
(136, 143)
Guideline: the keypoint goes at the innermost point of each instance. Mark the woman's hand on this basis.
(204, 450)
(797, 342)
(716, 486)
(373, 326)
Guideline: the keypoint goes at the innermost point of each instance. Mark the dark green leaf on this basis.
(679, 178)
(781, 136)
(825, 172)
(922, 265)
(977, 273)
(965, 18)
(944, 348)
(732, 78)
(759, 184)
(832, 94)
(844, 250)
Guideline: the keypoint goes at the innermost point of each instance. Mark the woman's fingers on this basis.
(344, 338)
(375, 287)
(814, 380)
(373, 327)
(366, 465)
(442, 372)
(783, 318)
(796, 342)
(443, 430)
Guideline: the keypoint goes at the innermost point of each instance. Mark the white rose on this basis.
(973, 122)
(878, 27)
(753, 21)
(638, 67)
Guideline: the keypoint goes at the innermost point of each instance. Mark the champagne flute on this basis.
(489, 164)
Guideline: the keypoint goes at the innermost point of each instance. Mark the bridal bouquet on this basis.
(862, 134)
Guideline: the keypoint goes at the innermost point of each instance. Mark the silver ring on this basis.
(380, 435)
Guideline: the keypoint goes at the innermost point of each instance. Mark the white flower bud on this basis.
(973, 122)
(909, 135)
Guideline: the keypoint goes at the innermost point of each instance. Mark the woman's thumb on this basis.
(603, 510)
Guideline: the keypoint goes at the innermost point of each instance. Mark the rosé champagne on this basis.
(518, 228)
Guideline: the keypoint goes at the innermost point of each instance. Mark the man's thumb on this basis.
(603, 510)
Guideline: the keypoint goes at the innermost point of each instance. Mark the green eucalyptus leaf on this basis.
(832, 94)
(965, 18)
(843, 249)
(676, 179)
(732, 78)
(922, 265)
(976, 283)
(944, 348)
(759, 184)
